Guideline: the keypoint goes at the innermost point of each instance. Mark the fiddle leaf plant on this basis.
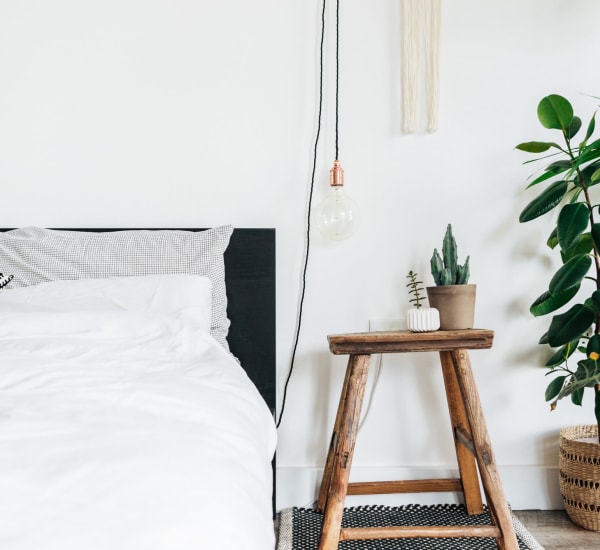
(569, 181)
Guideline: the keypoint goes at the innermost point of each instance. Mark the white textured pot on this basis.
(423, 319)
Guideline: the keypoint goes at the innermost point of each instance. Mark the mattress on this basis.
(127, 428)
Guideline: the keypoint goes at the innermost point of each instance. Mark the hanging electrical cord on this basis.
(337, 79)
(308, 214)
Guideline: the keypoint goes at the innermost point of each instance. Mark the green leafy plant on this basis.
(569, 180)
(415, 290)
(446, 269)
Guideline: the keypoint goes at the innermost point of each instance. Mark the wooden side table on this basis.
(472, 444)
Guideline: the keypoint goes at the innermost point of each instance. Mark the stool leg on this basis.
(326, 481)
(458, 417)
(343, 442)
(490, 479)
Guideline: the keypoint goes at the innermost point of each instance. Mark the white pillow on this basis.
(35, 255)
(187, 297)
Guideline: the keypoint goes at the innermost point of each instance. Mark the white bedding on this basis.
(128, 430)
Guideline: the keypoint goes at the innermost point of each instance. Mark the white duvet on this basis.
(128, 430)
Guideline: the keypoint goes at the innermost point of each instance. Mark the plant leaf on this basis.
(544, 202)
(536, 146)
(543, 338)
(549, 155)
(553, 389)
(555, 112)
(545, 176)
(570, 274)
(572, 221)
(583, 245)
(588, 153)
(548, 302)
(559, 166)
(574, 127)
(577, 396)
(552, 170)
(590, 129)
(552, 239)
(562, 354)
(570, 325)
(591, 168)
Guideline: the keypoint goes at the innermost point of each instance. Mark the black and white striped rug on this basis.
(299, 528)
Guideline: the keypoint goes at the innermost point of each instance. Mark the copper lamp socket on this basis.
(336, 175)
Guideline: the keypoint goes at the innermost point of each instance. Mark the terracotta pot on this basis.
(456, 304)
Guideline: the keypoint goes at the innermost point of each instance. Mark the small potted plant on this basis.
(419, 318)
(573, 333)
(452, 296)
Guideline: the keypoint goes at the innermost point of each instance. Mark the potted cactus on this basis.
(420, 318)
(452, 296)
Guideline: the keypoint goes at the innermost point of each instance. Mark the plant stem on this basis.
(596, 252)
(590, 207)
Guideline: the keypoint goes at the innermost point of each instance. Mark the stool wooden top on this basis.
(402, 341)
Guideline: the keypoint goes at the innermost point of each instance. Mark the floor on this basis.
(555, 531)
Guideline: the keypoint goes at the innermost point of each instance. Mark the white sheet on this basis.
(128, 430)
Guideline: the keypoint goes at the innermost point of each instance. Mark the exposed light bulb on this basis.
(337, 214)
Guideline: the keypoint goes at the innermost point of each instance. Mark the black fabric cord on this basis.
(337, 78)
(310, 198)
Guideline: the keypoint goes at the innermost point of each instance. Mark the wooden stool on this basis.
(473, 448)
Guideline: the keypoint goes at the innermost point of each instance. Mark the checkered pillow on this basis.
(34, 255)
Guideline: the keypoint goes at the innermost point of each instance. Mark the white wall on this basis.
(179, 113)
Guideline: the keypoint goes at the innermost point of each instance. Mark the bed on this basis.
(137, 389)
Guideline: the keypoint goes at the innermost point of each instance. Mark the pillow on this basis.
(35, 255)
(5, 279)
(187, 297)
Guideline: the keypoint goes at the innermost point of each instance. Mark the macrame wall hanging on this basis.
(420, 27)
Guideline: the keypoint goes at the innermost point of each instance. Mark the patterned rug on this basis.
(299, 528)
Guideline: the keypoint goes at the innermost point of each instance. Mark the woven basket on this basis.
(579, 465)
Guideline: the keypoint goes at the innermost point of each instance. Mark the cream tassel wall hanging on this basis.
(421, 25)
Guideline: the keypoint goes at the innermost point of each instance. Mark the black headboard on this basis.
(250, 282)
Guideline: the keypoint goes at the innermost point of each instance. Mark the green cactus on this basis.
(450, 253)
(463, 273)
(447, 271)
(437, 267)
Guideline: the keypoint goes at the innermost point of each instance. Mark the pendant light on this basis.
(337, 214)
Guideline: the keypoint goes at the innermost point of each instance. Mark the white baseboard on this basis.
(525, 487)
